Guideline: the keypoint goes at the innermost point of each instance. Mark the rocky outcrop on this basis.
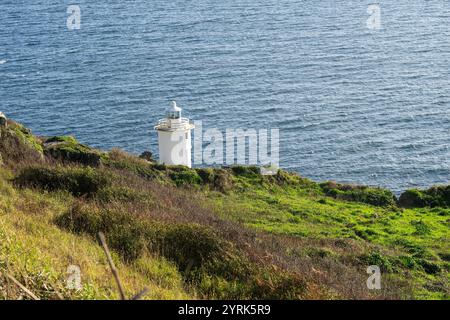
(68, 149)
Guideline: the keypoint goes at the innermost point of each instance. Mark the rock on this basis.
(66, 148)
(147, 155)
(18, 145)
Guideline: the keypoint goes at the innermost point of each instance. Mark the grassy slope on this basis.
(37, 253)
(408, 237)
(285, 224)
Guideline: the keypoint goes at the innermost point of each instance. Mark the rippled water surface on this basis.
(352, 104)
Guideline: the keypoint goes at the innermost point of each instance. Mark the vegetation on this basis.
(68, 149)
(17, 145)
(206, 261)
(227, 233)
(374, 196)
(76, 180)
(437, 196)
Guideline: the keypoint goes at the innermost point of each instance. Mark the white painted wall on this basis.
(175, 147)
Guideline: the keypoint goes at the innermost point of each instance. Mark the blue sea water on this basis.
(352, 104)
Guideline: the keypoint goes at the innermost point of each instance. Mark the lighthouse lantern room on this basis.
(174, 138)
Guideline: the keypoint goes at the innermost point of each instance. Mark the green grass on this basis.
(26, 137)
(76, 180)
(37, 253)
(208, 263)
(420, 235)
(68, 149)
(208, 233)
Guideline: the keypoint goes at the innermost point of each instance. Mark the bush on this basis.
(124, 234)
(246, 171)
(284, 178)
(412, 199)
(364, 233)
(222, 180)
(78, 181)
(429, 267)
(207, 175)
(25, 135)
(218, 179)
(374, 196)
(416, 250)
(119, 159)
(68, 149)
(121, 194)
(421, 228)
(408, 262)
(181, 244)
(445, 256)
(66, 139)
(147, 155)
(192, 245)
(18, 145)
(185, 176)
(437, 196)
(209, 263)
(378, 259)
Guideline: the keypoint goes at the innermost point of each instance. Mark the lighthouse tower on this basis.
(174, 138)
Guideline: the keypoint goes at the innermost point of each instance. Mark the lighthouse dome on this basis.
(173, 112)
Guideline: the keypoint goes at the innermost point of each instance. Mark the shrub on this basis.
(147, 155)
(412, 199)
(222, 180)
(67, 139)
(378, 259)
(121, 194)
(209, 263)
(218, 179)
(445, 256)
(68, 149)
(159, 166)
(416, 250)
(429, 267)
(374, 196)
(191, 245)
(408, 262)
(285, 178)
(185, 176)
(119, 159)
(364, 233)
(124, 234)
(437, 196)
(182, 244)
(18, 145)
(207, 175)
(246, 171)
(78, 181)
(421, 227)
(125, 160)
(25, 135)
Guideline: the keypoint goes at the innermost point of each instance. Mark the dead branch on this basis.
(111, 265)
(21, 286)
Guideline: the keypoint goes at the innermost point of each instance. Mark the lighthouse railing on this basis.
(166, 123)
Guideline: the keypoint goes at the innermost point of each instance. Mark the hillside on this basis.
(208, 233)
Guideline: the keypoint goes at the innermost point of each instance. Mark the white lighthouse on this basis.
(174, 138)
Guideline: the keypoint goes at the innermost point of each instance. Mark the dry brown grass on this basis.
(331, 271)
(338, 274)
